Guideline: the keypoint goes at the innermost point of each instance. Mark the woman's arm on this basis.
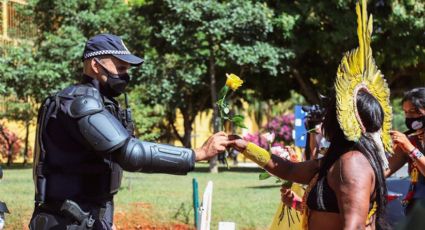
(313, 146)
(297, 172)
(352, 179)
(419, 159)
(396, 161)
(401, 140)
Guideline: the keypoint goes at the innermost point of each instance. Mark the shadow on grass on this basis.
(265, 186)
(231, 169)
(16, 166)
(198, 168)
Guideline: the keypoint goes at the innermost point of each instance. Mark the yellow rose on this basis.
(233, 81)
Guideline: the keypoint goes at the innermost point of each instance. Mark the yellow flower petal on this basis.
(233, 81)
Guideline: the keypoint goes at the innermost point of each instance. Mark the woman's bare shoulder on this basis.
(353, 158)
(351, 166)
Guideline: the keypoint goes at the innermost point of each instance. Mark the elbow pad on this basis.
(149, 157)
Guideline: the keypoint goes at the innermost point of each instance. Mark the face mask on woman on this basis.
(415, 123)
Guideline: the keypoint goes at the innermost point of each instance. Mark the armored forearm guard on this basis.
(150, 157)
(105, 134)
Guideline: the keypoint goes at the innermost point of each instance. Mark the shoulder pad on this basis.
(80, 90)
(84, 105)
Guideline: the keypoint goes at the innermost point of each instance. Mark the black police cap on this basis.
(108, 44)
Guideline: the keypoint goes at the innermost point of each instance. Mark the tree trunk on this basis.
(307, 89)
(216, 122)
(187, 124)
(27, 132)
(9, 155)
(173, 126)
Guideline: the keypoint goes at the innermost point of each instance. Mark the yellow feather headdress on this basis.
(358, 71)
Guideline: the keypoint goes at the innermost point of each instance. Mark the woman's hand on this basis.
(292, 154)
(237, 143)
(290, 150)
(290, 199)
(287, 196)
(401, 140)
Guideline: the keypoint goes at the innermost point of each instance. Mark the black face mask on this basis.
(415, 123)
(115, 83)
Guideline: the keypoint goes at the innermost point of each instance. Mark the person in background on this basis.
(409, 147)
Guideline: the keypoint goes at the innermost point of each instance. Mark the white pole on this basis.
(205, 208)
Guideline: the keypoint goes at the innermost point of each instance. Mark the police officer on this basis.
(84, 140)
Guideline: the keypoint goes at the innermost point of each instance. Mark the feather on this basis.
(358, 69)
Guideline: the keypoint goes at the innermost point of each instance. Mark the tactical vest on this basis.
(65, 167)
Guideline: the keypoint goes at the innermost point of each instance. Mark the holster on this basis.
(67, 215)
(84, 220)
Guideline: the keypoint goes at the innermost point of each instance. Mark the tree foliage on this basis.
(149, 118)
(318, 32)
(188, 46)
(48, 62)
(192, 44)
(64, 26)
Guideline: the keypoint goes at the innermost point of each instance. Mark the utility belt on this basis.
(79, 219)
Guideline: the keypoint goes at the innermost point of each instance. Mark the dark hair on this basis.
(372, 117)
(416, 96)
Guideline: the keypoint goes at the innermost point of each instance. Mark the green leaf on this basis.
(238, 121)
(238, 118)
(264, 175)
(240, 125)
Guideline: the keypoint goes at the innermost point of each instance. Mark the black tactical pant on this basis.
(49, 217)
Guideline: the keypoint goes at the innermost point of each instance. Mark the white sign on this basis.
(226, 226)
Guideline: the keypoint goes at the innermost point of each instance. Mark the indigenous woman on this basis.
(346, 187)
(409, 148)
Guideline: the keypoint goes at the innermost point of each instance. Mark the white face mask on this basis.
(324, 143)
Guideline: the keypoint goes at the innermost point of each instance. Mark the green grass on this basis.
(237, 196)
(17, 190)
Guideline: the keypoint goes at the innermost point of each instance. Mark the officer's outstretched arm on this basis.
(106, 135)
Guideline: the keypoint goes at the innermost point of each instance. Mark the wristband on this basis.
(257, 154)
(294, 204)
(415, 154)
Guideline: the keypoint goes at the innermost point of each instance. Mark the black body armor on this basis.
(84, 141)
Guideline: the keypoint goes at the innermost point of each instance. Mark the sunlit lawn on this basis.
(237, 196)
